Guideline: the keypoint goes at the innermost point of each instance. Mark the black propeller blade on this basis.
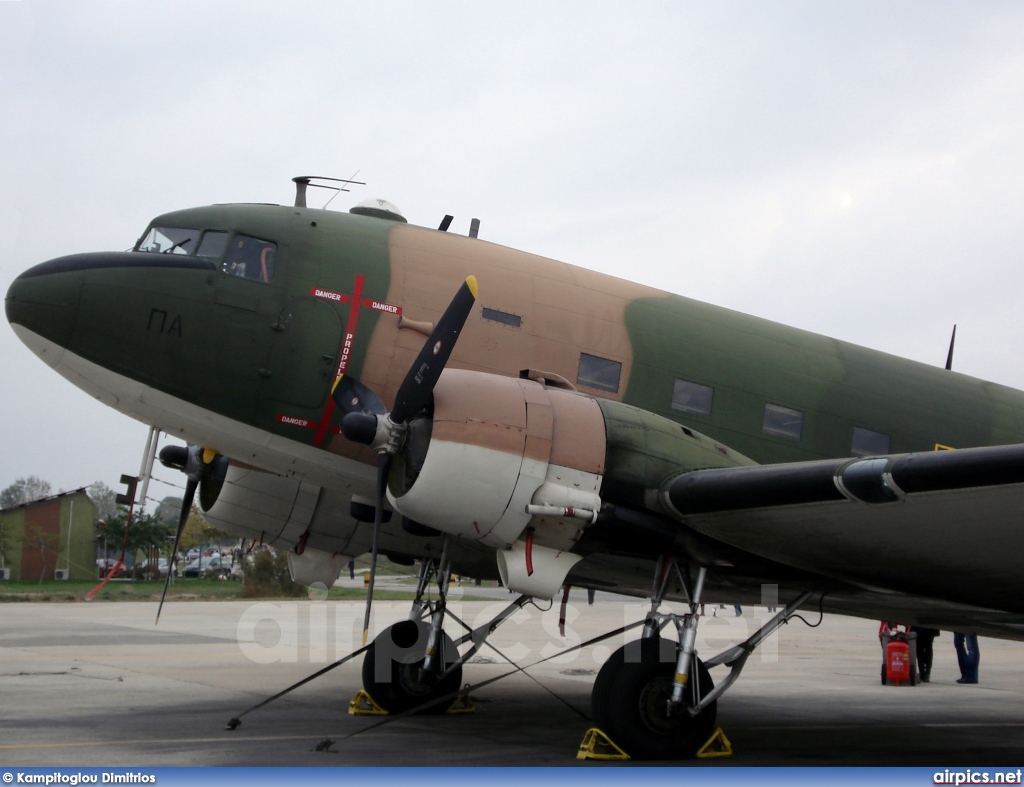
(419, 382)
(186, 509)
(206, 471)
(383, 471)
(386, 432)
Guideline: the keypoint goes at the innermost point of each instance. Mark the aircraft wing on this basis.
(944, 525)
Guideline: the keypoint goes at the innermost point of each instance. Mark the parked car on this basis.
(104, 567)
(208, 567)
(152, 570)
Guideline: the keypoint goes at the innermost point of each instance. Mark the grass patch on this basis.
(119, 590)
(181, 589)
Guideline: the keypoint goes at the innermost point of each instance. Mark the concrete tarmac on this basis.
(99, 685)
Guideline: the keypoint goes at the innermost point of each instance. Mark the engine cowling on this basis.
(502, 458)
(278, 511)
(501, 455)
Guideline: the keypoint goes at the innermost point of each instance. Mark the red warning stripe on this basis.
(346, 349)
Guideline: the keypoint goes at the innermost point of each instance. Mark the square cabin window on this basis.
(782, 422)
(868, 443)
(692, 397)
(600, 373)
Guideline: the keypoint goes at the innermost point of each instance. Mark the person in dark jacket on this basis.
(968, 655)
(925, 637)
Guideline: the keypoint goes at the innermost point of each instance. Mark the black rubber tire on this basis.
(392, 672)
(629, 693)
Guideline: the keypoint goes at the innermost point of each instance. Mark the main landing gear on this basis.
(414, 664)
(414, 661)
(654, 698)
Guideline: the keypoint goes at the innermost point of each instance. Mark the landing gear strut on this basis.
(414, 661)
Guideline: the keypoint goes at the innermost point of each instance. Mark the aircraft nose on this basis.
(41, 303)
(88, 304)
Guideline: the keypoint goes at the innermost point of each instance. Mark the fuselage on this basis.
(250, 320)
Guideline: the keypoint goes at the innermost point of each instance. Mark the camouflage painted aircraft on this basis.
(582, 431)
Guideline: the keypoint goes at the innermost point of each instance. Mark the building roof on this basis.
(58, 496)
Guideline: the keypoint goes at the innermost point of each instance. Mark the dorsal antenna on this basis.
(949, 355)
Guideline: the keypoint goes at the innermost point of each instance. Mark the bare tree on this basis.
(24, 490)
(104, 498)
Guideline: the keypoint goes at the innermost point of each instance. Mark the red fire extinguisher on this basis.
(897, 662)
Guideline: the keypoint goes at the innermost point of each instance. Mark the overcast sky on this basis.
(855, 169)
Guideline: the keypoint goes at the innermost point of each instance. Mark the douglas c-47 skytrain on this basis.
(348, 382)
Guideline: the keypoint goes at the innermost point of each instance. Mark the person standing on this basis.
(925, 637)
(968, 656)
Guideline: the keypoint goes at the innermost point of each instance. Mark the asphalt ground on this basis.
(99, 685)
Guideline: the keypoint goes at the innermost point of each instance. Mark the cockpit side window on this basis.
(169, 240)
(213, 244)
(251, 258)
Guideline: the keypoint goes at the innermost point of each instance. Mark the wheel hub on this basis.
(657, 710)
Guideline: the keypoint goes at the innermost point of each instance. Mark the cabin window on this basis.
(868, 443)
(600, 373)
(782, 422)
(213, 244)
(251, 258)
(503, 317)
(169, 240)
(692, 397)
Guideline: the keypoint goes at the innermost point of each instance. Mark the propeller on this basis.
(386, 433)
(205, 470)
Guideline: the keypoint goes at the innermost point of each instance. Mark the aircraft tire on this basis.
(392, 673)
(629, 696)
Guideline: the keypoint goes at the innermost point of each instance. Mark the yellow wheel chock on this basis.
(363, 705)
(715, 746)
(462, 704)
(598, 746)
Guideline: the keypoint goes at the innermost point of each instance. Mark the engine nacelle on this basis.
(503, 453)
(284, 512)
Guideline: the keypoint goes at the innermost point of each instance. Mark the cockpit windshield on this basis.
(244, 256)
(170, 240)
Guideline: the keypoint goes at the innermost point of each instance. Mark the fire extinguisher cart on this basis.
(899, 657)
